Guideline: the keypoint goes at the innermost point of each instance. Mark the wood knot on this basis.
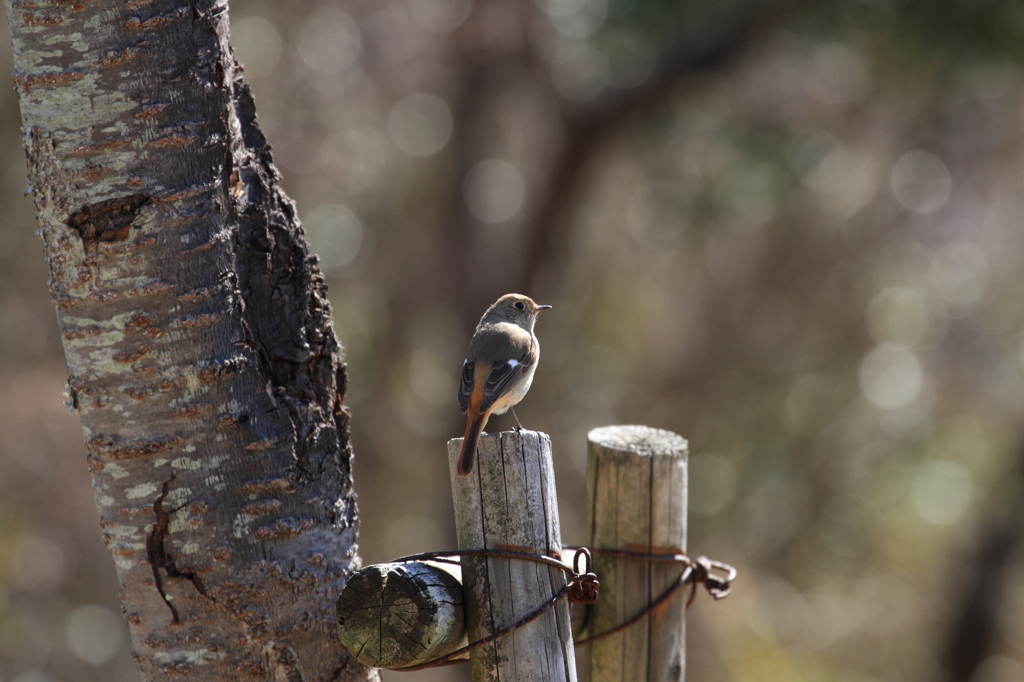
(107, 221)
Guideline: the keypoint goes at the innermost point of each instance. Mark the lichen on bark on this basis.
(200, 352)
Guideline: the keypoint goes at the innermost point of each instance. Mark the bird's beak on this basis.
(541, 307)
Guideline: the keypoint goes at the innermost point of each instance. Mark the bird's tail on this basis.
(474, 425)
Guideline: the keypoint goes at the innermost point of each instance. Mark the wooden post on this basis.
(637, 501)
(509, 502)
(400, 615)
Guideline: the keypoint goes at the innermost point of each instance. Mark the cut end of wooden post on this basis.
(400, 615)
(495, 436)
(640, 440)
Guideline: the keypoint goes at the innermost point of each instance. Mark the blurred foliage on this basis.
(945, 28)
(804, 257)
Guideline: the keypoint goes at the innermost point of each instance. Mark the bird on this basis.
(499, 367)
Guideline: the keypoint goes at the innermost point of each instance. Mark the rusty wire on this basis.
(582, 588)
(716, 577)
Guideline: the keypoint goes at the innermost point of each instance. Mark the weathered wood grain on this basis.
(637, 502)
(400, 615)
(509, 502)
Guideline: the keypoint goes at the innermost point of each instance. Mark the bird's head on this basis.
(515, 308)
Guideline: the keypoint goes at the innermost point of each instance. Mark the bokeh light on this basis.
(335, 233)
(257, 43)
(420, 124)
(941, 492)
(891, 376)
(329, 41)
(38, 565)
(494, 191)
(921, 182)
(95, 633)
(899, 315)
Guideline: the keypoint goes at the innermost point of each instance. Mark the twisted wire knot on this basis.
(585, 585)
(714, 575)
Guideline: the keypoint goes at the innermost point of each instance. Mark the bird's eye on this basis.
(519, 305)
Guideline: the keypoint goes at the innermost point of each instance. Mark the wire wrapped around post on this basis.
(715, 576)
(582, 586)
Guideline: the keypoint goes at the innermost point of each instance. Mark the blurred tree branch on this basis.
(978, 597)
(589, 127)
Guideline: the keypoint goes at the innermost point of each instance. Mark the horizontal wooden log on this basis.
(400, 615)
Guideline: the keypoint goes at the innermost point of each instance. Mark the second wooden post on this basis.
(637, 490)
(508, 502)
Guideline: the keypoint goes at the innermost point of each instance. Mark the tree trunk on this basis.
(200, 352)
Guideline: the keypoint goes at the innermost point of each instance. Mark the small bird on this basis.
(499, 367)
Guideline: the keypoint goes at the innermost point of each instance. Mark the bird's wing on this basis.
(466, 385)
(502, 377)
(508, 350)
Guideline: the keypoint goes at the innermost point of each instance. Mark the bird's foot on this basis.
(519, 427)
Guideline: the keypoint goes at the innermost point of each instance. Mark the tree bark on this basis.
(199, 346)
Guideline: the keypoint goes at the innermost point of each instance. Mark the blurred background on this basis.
(790, 232)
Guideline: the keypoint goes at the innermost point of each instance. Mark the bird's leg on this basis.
(517, 419)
